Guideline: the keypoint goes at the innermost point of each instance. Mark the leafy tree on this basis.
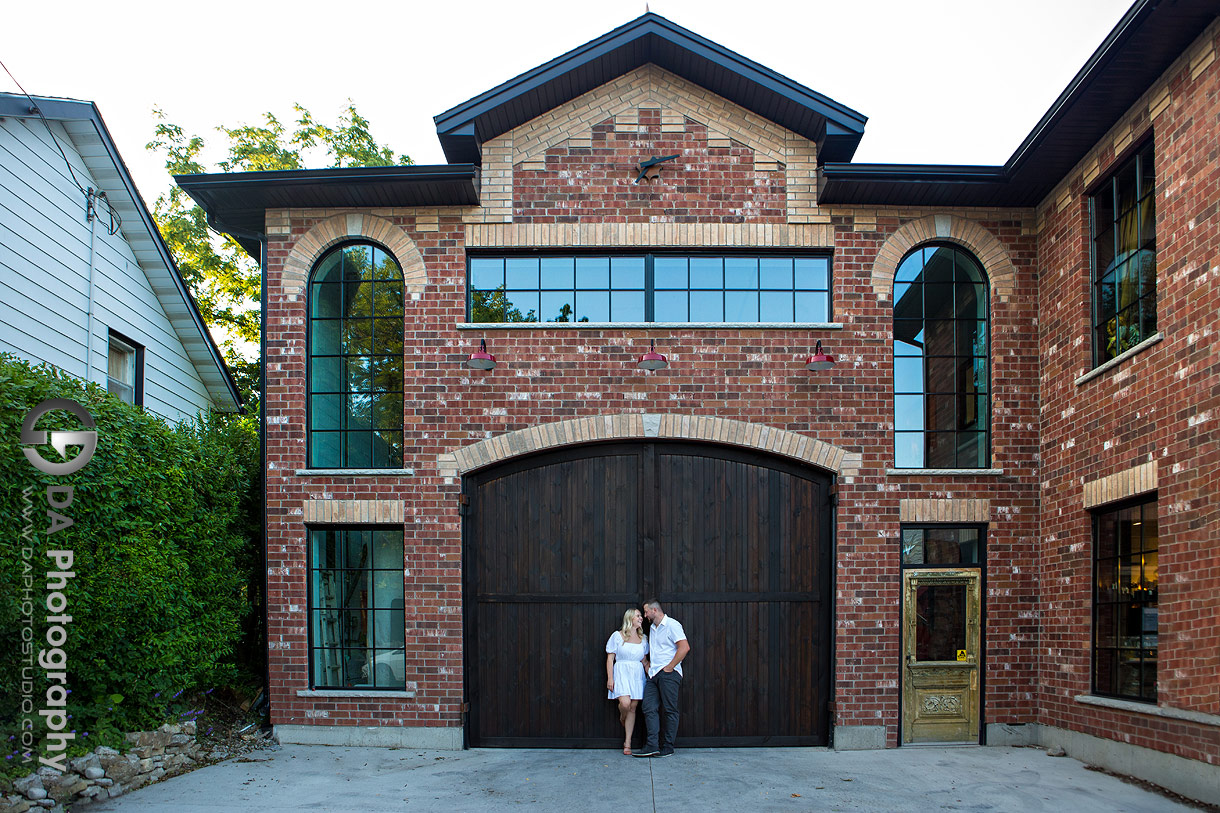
(223, 278)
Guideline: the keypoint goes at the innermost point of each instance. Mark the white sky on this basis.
(942, 81)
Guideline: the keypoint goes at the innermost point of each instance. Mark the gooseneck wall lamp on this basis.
(819, 360)
(652, 360)
(481, 360)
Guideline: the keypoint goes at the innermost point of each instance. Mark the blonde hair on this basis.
(627, 627)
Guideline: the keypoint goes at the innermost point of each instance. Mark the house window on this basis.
(1125, 602)
(356, 360)
(650, 288)
(356, 614)
(941, 379)
(125, 369)
(941, 545)
(1124, 258)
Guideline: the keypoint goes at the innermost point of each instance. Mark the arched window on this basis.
(356, 359)
(941, 377)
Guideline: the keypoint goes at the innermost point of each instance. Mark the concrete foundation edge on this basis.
(859, 737)
(1191, 778)
(433, 738)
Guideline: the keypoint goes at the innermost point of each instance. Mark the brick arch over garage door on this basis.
(735, 543)
(632, 426)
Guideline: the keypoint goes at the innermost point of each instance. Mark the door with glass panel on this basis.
(941, 634)
(941, 656)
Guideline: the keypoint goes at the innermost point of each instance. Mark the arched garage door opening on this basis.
(736, 545)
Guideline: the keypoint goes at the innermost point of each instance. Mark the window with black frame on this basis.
(942, 400)
(356, 614)
(650, 288)
(941, 610)
(941, 546)
(1125, 601)
(356, 359)
(1124, 258)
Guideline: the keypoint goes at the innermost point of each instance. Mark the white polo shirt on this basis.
(663, 642)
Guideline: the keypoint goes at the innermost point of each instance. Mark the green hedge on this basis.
(167, 562)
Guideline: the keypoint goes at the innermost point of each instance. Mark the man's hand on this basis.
(667, 668)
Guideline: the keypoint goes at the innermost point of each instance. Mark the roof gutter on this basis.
(1117, 37)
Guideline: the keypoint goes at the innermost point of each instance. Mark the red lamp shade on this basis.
(482, 360)
(819, 360)
(652, 360)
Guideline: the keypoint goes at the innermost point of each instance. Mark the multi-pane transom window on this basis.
(650, 288)
(356, 360)
(1125, 602)
(941, 545)
(941, 397)
(1124, 258)
(356, 613)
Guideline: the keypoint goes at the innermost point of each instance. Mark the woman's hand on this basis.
(610, 684)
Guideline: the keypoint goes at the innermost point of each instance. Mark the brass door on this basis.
(940, 656)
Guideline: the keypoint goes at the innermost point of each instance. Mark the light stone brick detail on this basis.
(634, 426)
(794, 235)
(648, 88)
(946, 228)
(354, 225)
(354, 511)
(1121, 485)
(953, 510)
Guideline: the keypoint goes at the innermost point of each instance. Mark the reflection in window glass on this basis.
(657, 288)
(356, 611)
(940, 621)
(356, 358)
(941, 371)
(939, 545)
(1125, 629)
(1124, 258)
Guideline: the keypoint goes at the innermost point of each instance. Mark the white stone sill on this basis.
(649, 325)
(945, 472)
(339, 694)
(1149, 709)
(1120, 358)
(354, 472)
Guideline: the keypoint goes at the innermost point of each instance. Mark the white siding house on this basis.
(94, 294)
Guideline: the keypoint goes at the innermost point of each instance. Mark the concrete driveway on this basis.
(336, 779)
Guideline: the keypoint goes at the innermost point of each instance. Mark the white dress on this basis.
(628, 667)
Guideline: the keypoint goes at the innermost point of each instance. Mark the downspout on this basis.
(262, 456)
(91, 217)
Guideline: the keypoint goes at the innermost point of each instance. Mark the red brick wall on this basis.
(548, 374)
(1163, 404)
(703, 185)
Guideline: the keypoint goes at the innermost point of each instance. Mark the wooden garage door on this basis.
(736, 546)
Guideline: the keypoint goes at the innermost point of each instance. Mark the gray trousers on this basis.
(661, 694)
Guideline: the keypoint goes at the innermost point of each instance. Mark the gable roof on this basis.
(835, 128)
(97, 149)
(1146, 41)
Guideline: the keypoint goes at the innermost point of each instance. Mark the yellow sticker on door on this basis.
(961, 654)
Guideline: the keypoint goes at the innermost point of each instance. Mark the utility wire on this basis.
(115, 220)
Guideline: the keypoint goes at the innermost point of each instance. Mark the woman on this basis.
(626, 660)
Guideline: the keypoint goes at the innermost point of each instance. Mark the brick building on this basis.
(929, 450)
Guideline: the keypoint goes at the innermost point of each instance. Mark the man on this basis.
(667, 646)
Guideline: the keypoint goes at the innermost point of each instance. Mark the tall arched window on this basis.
(356, 359)
(941, 377)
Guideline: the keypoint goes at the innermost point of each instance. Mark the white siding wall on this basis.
(44, 276)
